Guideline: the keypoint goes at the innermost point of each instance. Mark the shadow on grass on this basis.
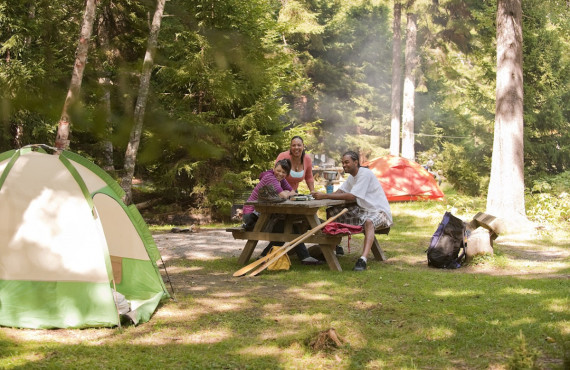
(397, 314)
(388, 316)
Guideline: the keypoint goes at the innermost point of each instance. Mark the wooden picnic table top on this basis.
(306, 207)
(301, 203)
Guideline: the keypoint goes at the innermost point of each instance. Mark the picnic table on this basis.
(303, 214)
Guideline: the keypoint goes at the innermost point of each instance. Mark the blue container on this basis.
(330, 188)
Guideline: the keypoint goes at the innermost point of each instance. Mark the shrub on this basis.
(460, 170)
(523, 356)
(548, 199)
(225, 191)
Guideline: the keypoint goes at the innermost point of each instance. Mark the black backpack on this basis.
(446, 243)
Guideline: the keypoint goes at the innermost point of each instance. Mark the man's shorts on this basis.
(358, 216)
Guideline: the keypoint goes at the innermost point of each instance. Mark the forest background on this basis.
(233, 81)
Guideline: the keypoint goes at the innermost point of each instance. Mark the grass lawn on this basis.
(510, 310)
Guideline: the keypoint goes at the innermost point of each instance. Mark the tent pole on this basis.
(168, 277)
(116, 305)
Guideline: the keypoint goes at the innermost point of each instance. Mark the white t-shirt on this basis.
(368, 191)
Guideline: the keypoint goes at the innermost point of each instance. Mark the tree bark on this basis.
(409, 88)
(505, 198)
(63, 129)
(106, 83)
(106, 144)
(16, 129)
(136, 132)
(16, 134)
(396, 106)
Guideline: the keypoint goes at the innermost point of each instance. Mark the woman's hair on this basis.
(285, 164)
(303, 153)
(353, 155)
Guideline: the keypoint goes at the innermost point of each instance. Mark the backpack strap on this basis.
(463, 246)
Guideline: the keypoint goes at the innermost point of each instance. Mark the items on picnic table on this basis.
(302, 197)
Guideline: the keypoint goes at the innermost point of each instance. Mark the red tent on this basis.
(403, 179)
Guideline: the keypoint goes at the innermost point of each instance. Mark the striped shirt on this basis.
(266, 178)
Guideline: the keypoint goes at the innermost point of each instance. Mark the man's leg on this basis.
(367, 246)
(368, 238)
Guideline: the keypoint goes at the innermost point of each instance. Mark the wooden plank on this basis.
(261, 260)
(385, 231)
(377, 251)
(300, 204)
(489, 222)
(330, 256)
(297, 241)
(249, 247)
(281, 237)
(231, 229)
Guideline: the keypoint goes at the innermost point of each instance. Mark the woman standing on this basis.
(301, 164)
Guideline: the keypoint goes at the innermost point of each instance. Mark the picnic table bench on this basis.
(303, 214)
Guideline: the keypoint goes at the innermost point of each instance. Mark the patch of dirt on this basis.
(206, 244)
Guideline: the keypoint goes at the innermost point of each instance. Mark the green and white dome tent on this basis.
(67, 241)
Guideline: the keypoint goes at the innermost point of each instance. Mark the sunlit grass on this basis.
(397, 314)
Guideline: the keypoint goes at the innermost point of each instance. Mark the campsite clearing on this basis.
(398, 314)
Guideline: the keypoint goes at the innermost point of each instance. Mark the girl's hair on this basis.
(303, 153)
(353, 155)
(285, 164)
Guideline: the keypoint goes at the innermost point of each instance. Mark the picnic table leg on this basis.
(330, 256)
(247, 252)
(251, 244)
(377, 250)
(313, 221)
(327, 249)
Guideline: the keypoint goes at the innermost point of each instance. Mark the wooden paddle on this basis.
(251, 266)
(293, 243)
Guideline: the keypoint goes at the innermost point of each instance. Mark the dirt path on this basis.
(206, 244)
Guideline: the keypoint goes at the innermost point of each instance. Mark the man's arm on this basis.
(339, 194)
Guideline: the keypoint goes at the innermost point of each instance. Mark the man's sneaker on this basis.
(311, 261)
(339, 251)
(360, 265)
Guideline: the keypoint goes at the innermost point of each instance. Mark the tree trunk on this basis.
(63, 129)
(409, 89)
(135, 138)
(107, 145)
(106, 83)
(396, 107)
(16, 129)
(505, 198)
(16, 133)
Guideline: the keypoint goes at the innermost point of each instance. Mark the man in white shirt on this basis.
(372, 210)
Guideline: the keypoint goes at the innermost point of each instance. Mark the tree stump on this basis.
(326, 340)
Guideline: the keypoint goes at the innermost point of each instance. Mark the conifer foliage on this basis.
(233, 80)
